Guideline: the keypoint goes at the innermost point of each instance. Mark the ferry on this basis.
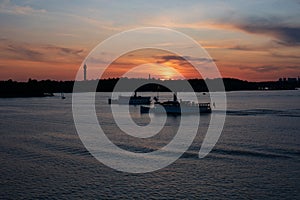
(131, 100)
(177, 107)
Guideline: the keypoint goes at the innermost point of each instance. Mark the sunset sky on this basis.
(250, 40)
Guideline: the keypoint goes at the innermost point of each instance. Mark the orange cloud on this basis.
(20, 61)
(141, 57)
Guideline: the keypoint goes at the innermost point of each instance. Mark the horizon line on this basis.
(140, 78)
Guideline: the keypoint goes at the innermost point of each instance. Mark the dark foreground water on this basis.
(256, 157)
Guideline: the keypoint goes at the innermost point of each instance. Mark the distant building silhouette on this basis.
(289, 80)
(84, 71)
(292, 79)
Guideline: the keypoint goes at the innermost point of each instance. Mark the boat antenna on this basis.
(157, 92)
(175, 96)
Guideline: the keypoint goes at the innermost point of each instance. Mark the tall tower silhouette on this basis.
(84, 72)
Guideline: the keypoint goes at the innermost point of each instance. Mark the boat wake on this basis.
(257, 112)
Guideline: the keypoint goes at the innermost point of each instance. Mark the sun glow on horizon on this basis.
(158, 63)
(153, 70)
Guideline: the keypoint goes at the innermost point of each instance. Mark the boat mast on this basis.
(157, 92)
(174, 96)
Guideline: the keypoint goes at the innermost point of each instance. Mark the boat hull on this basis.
(124, 100)
(177, 110)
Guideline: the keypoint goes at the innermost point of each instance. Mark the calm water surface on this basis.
(256, 157)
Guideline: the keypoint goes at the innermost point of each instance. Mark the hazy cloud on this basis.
(8, 7)
(166, 58)
(281, 55)
(285, 35)
(39, 52)
(270, 68)
(65, 50)
(24, 53)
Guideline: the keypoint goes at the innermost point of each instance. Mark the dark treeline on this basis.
(34, 88)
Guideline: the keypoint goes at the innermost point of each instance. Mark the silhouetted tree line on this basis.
(34, 88)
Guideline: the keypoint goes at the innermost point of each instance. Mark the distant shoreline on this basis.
(54, 94)
(44, 88)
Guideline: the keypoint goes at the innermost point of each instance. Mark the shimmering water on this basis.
(256, 157)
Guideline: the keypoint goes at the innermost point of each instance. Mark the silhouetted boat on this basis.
(49, 94)
(177, 107)
(131, 100)
(63, 96)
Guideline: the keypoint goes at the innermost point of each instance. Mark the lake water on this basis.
(256, 157)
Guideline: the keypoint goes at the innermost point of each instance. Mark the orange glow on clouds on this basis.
(157, 66)
(43, 40)
(21, 61)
